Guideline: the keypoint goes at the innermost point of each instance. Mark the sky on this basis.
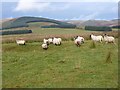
(61, 10)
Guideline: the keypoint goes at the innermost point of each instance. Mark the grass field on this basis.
(65, 66)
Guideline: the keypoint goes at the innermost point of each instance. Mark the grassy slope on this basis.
(39, 24)
(50, 31)
(31, 66)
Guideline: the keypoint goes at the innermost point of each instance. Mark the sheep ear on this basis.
(90, 35)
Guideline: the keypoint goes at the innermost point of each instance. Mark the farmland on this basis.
(65, 66)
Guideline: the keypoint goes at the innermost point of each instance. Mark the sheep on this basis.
(109, 39)
(60, 39)
(20, 41)
(44, 46)
(50, 40)
(57, 41)
(96, 38)
(46, 41)
(78, 40)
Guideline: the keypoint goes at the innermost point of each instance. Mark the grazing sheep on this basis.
(45, 46)
(78, 42)
(80, 38)
(96, 38)
(109, 39)
(20, 41)
(60, 39)
(57, 41)
(50, 40)
(46, 41)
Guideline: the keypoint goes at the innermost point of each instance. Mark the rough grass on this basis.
(65, 66)
(66, 34)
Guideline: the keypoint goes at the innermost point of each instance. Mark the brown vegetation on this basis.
(39, 37)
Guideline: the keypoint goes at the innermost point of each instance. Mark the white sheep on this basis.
(80, 38)
(50, 40)
(77, 42)
(57, 41)
(60, 39)
(96, 38)
(109, 39)
(20, 41)
(45, 41)
(45, 46)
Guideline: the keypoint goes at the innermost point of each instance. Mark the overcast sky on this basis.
(65, 10)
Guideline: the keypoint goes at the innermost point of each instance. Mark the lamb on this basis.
(109, 39)
(96, 38)
(20, 41)
(44, 46)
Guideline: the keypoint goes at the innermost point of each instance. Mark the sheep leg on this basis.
(100, 41)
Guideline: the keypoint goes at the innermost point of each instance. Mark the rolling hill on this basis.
(109, 23)
(24, 21)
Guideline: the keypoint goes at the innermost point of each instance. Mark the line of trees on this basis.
(15, 32)
(59, 26)
(116, 26)
(98, 28)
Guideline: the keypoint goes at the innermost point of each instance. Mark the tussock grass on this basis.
(92, 45)
(108, 58)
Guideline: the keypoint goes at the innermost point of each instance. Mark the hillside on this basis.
(95, 22)
(23, 22)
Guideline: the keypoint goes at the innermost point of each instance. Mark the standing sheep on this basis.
(109, 39)
(57, 41)
(78, 40)
(96, 38)
(20, 41)
(50, 40)
(46, 41)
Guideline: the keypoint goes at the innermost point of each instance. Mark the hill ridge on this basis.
(22, 22)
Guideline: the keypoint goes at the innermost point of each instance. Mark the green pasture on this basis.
(65, 66)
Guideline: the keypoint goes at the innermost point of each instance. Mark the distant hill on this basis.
(109, 23)
(24, 21)
(94, 23)
(51, 23)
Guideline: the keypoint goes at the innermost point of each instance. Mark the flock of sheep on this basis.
(55, 41)
(78, 40)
